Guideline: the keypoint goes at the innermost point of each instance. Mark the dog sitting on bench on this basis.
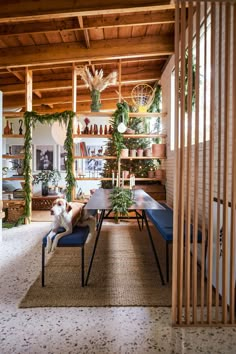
(68, 215)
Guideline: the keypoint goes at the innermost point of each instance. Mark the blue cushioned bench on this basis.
(77, 238)
(163, 221)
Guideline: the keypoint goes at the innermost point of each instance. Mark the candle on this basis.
(130, 181)
(113, 178)
(123, 178)
(117, 180)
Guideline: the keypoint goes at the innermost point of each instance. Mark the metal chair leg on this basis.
(167, 262)
(82, 266)
(43, 265)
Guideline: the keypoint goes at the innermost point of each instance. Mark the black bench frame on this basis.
(70, 245)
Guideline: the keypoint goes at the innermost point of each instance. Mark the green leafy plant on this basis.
(121, 200)
(47, 176)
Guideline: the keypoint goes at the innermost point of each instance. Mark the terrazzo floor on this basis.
(86, 330)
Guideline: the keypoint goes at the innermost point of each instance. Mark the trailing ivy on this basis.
(30, 120)
(68, 145)
(118, 139)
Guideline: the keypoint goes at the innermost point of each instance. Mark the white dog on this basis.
(67, 215)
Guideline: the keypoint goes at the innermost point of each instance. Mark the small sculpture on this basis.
(21, 129)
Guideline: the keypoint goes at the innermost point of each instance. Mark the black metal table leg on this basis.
(95, 245)
(43, 264)
(153, 247)
(82, 266)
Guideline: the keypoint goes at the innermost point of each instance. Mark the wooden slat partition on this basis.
(205, 164)
(175, 258)
(196, 164)
(233, 188)
(219, 163)
(203, 265)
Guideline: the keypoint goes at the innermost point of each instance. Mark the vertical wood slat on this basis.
(28, 107)
(188, 180)
(196, 164)
(219, 164)
(119, 71)
(182, 163)
(176, 180)
(74, 109)
(226, 165)
(217, 119)
(233, 185)
(211, 170)
(203, 265)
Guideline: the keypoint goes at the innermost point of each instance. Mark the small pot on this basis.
(124, 153)
(151, 174)
(140, 152)
(159, 174)
(133, 153)
(148, 152)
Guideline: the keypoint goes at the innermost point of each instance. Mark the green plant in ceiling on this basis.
(96, 84)
(30, 120)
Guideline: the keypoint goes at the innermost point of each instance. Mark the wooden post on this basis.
(175, 256)
(28, 107)
(196, 166)
(74, 109)
(233, 191)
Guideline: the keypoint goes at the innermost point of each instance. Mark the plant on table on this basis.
(121, 200)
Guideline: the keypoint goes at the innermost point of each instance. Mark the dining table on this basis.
(101, 200)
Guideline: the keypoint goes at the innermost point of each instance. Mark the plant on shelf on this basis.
(45, 177)
(96, 83)
(121, 200)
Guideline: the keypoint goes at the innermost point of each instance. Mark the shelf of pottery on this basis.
(13, 150)
(90, 152)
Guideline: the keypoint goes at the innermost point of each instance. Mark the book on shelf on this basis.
(83, 149)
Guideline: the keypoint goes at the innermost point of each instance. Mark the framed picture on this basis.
(62, 158)
(44, 157)
(94, 165)
(17, 149)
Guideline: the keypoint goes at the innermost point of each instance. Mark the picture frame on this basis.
(93, 165)
(62, 157)
(17, 149)
(44, 157)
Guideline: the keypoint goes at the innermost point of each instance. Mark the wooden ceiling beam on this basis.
(88, 23)
(53, 85)
(28, 10)
(86, 34)
(99, 50)
(81, 97)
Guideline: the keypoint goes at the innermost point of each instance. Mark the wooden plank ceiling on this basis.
(50, 38)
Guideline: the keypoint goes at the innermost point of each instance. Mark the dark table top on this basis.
(142, 200)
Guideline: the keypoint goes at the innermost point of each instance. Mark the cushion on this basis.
(163, 221)
(76, 239)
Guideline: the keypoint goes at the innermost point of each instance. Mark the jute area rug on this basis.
(124, 273)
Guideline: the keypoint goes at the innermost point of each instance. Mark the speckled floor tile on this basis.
(86, 330)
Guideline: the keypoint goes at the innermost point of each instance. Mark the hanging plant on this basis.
(117, 137)
(30, 120)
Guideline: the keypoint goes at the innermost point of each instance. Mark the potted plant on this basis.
(121, 200)
(45, 177)
(159, 147)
